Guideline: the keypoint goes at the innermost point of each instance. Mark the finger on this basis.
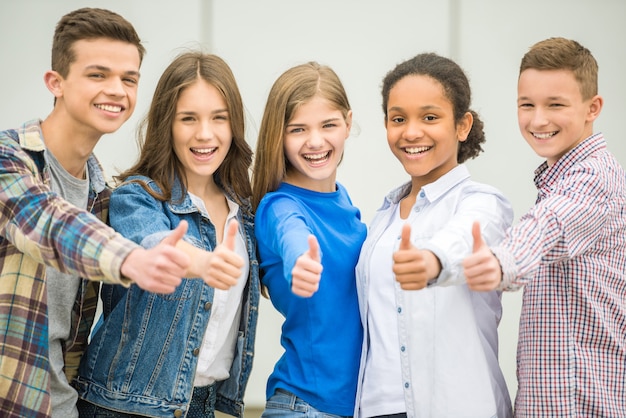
(314, 248)
(405, 240)
(231, 233)
(478, 238)
(177, 234)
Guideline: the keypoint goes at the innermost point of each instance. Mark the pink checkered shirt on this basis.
(569, 253)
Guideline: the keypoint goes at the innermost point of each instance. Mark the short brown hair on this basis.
(564, 54)
(89, 23)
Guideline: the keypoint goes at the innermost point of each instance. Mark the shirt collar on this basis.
(432, 191)
(545, 176)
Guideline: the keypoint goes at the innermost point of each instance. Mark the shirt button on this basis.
(406, 385)
(399, 310)
(402, 349)
(196, 351)
(207, 306)
(422, 194)
(178, 413)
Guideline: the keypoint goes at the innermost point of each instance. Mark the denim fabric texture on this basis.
(152, 373)
(284, 404)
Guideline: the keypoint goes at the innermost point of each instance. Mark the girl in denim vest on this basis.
(190, 352)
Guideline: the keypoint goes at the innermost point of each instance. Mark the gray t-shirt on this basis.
(62, 290)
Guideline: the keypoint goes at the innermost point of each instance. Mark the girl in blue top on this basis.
(188, 353)
(309, 237)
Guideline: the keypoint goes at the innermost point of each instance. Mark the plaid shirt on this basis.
(569, 252)
(39, 229)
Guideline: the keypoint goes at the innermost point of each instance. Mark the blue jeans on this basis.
(284, 404)
(202, 406)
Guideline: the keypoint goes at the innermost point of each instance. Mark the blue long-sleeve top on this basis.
(322, 334)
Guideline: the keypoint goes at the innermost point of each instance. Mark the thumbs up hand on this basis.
(482, 268)
(307, 272)
(413, 267)
(222, 267)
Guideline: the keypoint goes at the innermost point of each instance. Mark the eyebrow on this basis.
(323, 122)
(191, 112)
(427, 107)
(107, 69)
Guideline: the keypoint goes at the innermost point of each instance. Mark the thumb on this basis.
(231, 233)
(405, 238)
(314, 248)
(176, 235)
(478, 238)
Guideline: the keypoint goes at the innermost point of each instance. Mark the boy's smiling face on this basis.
(100, 90)
(553, 117)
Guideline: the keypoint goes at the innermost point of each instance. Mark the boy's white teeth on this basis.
(109, 108)
(313, 157)
(416, 150)
(203, 150)
(544, 135)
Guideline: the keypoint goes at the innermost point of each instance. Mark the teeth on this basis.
(314, 157)
(203, 150)
(109, 108)
(544, 135)
(416, 150)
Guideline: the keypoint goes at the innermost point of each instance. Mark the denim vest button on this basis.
(207, 306)
(196, 351)
(178, 413)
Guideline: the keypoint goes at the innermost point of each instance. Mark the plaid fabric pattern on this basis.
(37, 229)
(569, 251)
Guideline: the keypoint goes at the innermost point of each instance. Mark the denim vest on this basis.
(153, 372)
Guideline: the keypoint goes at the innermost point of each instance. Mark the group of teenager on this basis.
(395, 319)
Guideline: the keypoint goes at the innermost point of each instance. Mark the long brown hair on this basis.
(293, 88)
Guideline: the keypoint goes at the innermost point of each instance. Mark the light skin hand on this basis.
(307, 272)
(413, 267)
(220, 268)
(482, 268)
(159, 269)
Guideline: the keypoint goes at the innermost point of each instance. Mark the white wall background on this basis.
(361, 40)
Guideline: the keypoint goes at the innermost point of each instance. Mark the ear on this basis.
(54, 83)
(595, 107)
(464, 126)
(349, 121)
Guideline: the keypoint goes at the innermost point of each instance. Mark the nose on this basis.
(413, 131)
(204, 131)
(539, 117)
(315, 140)
(115, 87)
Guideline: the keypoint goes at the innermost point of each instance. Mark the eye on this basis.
(131, 80)
(295, 130)
(526, 105)
(430, 118)
(330, 125)
(397, 119)
(95, 75)
(187, 118)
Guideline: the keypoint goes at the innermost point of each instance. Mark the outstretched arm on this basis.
(161, 268)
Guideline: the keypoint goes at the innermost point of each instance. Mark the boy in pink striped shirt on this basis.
(569, 250)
